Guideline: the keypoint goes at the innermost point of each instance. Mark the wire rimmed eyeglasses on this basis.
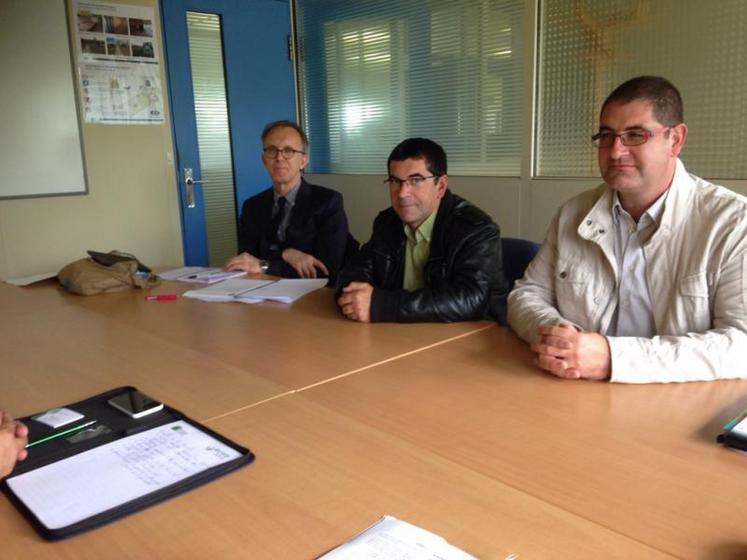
(632, 137)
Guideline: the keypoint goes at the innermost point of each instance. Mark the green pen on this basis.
(60, 434)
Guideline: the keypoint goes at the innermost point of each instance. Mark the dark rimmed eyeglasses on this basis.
(412, 180)
(287, 152)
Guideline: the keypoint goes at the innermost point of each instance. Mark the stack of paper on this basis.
(391, 538)
(200, 274)
(253, 291)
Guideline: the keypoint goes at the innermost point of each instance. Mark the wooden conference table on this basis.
(208, 359)
(445, 426)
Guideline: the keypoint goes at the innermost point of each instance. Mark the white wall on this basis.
(132, 202)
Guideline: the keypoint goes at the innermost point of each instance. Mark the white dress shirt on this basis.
(634, 315)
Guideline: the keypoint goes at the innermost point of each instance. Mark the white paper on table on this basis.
(248, 290)
(200, 274)
(286, 290)
(177, 273)
(227, 290)
(76, 488)
(28, 280)
(211, 276)
(391, 538)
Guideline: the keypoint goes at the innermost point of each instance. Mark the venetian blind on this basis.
(213, 138)
(374, 72)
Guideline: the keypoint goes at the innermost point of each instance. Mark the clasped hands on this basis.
(355, 301)
(568, 353)
(305, 265)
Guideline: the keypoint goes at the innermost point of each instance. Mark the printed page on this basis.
(210, 276)
(227, 290)
(392, 539)
(182, 272)
(83, 485)
(287, 290)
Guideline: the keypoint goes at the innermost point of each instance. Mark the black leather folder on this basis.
(116, 425)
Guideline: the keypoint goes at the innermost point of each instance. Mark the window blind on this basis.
(211, 115)
(374, 72)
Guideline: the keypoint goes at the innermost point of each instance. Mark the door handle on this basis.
(189, 183)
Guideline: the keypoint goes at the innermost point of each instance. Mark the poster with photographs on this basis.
(120, 77)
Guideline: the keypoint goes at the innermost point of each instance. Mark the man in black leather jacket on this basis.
(433, 256)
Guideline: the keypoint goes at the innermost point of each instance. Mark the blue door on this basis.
(230, 73)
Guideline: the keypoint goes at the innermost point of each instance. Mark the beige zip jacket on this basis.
(697, 279)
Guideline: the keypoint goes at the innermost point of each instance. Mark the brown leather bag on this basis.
(87, 277)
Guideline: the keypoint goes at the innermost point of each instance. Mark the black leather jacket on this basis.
(463, 275)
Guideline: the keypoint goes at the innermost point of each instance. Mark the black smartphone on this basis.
(135, 404)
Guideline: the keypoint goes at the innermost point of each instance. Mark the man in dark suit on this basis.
(293, 229)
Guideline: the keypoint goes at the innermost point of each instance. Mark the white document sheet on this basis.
(28, 280)
(394, 539)
(228, 290)
(287, 290)
(177, 273)
(247, 290)
(200, 274)
(94, 481)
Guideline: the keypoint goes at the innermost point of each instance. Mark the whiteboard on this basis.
(40, 142)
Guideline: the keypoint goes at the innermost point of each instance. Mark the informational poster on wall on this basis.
(118, 66)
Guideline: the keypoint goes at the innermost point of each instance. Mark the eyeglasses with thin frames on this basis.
(287, 152)
(632, 137)
(412, 180)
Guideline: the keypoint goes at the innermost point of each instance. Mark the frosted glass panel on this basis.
(208, 82)
(588, 47)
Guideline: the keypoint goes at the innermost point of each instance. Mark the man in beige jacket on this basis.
(643, 279)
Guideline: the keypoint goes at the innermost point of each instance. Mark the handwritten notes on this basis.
(73, 489)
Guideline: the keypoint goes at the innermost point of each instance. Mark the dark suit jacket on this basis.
(318, 226)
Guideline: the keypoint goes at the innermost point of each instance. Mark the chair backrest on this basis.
(517, 254)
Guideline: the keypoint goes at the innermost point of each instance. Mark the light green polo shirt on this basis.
(417, 251)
